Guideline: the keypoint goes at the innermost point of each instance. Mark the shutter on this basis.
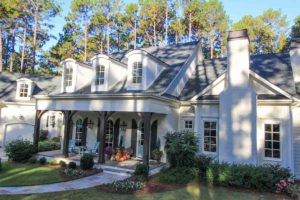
(133, 136)
(84, 132)
(116, 133)
(153, 136)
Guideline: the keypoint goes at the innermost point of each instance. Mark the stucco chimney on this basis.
(237, 108)
(295, 62)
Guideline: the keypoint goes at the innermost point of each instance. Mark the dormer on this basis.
(106, 73)
(75, 76)
(25, 89)
(143, 69)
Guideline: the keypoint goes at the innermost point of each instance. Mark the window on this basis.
(109, 133)
(23, 91)
(79, 132)
(137, 73)
(188, 124)
(272, 141)
(141, 141)
(99, 75)
(210, 136)
(68, 77)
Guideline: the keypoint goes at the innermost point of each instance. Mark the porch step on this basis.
(114, 170)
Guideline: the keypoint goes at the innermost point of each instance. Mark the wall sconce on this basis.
(21, 117)
(90, 124)
(123, 126)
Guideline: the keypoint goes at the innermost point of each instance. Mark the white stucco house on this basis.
(244, 108)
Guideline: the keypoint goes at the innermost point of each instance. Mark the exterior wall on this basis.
(83, 77)
(53, 131)
(281, 115)
(296, 140)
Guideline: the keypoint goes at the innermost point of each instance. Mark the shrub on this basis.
(262, 178)
(181, 148)
(141, 170)
(202, 163)
(56, 139)
(177, 175)
(62, 163)
(126, 186)
(72, 172)
(32, 160)
(86, 162)
(53, 162)
(43, 135)
(72, 165)
(20, 150)
(48, 145)
(43, 160)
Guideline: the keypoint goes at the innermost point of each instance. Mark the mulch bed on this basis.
(151, 186)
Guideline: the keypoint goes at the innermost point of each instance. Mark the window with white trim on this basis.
(272, 141)
(68, 76)
(100, 69)
(188, 124)
(109, 133)
(79, 132)
(210, 136)
(23, 90)
(137, 72)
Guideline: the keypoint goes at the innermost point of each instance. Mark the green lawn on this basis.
(28, 174)
(194, 192)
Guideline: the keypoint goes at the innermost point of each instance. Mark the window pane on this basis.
(213, 148)
(268, 136)
(268, 127)
(268, 144)
(268, 153)
(206, 124)
(206, 133)
(213, 132)
(276, 136)
(213, 125)
(276, 128)
(276, 154)
(276, 145)
(272, 140)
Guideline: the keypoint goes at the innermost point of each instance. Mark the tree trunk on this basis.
(13, 51)
(190, 26)
(107, 38)
(1, 60)
(135, 34)
(36, 12)
(23, 51)
(167, 16)
(154, 33)
(85, 40)
(101, 47)
(176, 38)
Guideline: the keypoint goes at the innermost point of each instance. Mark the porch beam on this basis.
(36, 134)
(103, 117)
(146, 116)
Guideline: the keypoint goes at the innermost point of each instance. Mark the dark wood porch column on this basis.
(67, 120)
(147, 131)
(103, 117)
(36, 134)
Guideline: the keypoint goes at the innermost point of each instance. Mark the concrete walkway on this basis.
(86, 182)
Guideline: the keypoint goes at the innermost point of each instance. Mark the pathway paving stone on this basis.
(86, 182)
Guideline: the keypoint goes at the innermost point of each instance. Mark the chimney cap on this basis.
(238, 34)
(295, 44)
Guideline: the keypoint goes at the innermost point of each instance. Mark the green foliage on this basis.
(48, 145)
(293, 190)
(181, 148)
(87, 161)
(20, 150)
(72, 172)
(295, 33)
(202, 162)
(72, 165)
(43, 135)
(182, 175)
(126, 186)
(32, 160)
(43, 160)
(53, 162)
(62, 163)
(262, 178)
(141, 170)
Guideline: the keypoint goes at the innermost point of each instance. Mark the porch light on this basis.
(123, 126)
(90, 124)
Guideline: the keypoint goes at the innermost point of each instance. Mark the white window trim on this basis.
(101, 78)
(217, 136)
(132, 70)
(29, 91)
(188, 119)
(270, 121)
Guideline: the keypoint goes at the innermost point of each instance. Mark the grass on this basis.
(190, 192)
(14, 174)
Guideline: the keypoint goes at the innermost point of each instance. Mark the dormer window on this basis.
(69, 77)
(100, 69)
(137, 73)
(23, 90)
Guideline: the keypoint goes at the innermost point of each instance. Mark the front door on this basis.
(140, 143)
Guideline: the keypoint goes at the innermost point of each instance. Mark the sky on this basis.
(236, 9)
